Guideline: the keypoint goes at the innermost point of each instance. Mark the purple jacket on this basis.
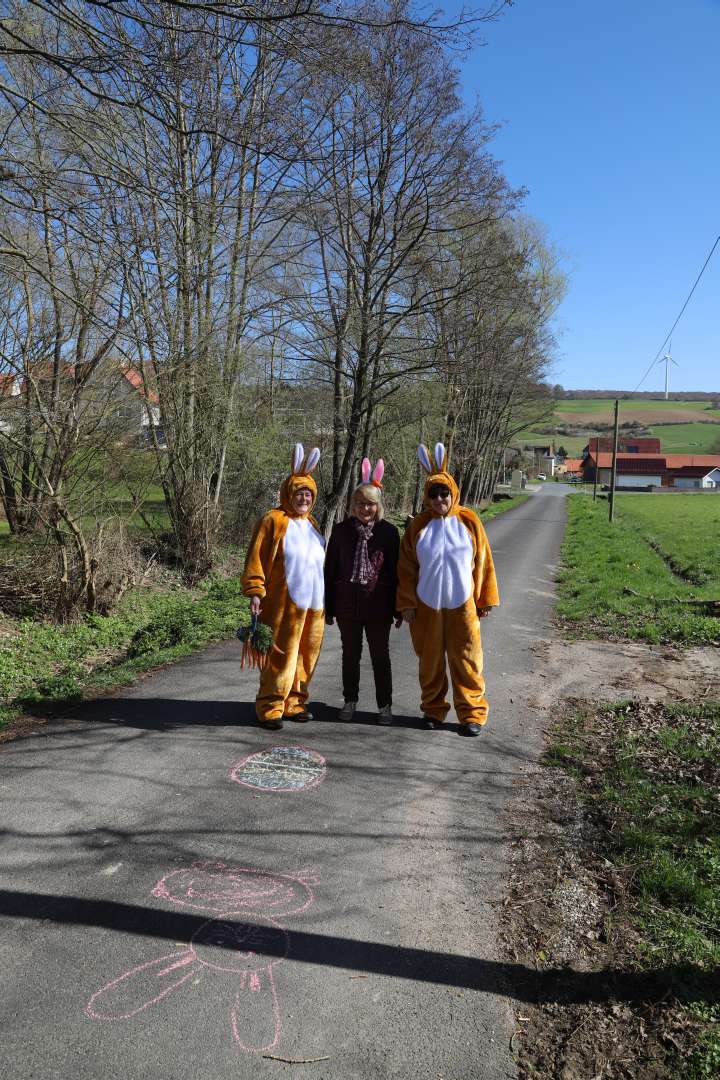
(348, 599)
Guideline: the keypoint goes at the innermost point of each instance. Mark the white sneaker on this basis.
(385, 715)
(348, 710)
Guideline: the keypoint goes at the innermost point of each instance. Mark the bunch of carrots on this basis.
(256, 643)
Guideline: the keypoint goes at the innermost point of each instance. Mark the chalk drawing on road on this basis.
(245, 941)
(281, 768)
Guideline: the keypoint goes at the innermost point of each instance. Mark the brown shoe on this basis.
(271, 725)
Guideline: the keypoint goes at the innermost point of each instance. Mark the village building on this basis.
(644, 471)
(569, 467)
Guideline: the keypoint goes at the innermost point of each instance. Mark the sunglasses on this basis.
(437, 491)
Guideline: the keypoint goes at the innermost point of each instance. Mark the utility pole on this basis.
(613, 473)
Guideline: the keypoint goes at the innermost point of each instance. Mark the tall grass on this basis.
(624, 580)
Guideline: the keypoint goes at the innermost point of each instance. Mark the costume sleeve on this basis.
(484, 580)
(331, 555)
(408, 571)
(259, 557)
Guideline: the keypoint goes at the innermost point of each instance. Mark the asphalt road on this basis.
(362, 909)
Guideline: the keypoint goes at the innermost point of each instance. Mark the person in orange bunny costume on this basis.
(446, 583)
(283, 576)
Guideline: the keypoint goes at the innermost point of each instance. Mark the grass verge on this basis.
(647, 780)
(487, 513)
(650, 576)
(44, 666)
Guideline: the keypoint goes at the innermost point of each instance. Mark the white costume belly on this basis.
(304, 553)
(445, 555)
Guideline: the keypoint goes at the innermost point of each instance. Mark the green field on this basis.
(572, 443)
(640, 577)
(688, 438)
(607, 405)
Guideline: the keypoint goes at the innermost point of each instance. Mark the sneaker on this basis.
(348, 710)
(469, 729)
(271, 725)
(430, 724)
(385, 716)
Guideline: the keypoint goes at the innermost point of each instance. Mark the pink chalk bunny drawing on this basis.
(226, 943)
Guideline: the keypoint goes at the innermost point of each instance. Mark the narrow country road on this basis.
(359, 931)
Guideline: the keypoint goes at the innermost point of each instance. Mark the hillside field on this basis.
(600, 410)
(688, 438)
(683, 427)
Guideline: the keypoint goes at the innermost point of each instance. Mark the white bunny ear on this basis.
(440, 456)
(378, 471)
(424, 458)
(312, 460)
(297, 457)
(365, 469)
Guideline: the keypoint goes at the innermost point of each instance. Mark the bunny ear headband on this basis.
(440, 458)
(302, 465)
(370, 475)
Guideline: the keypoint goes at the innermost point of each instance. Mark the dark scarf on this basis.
(363, 570)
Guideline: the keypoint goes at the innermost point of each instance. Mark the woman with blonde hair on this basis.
(360, 586)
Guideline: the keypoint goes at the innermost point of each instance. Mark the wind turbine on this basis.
(667, 360)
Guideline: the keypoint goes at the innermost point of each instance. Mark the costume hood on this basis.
(438, 475)
(302, 466)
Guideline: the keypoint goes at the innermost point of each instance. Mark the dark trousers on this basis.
(378, 639)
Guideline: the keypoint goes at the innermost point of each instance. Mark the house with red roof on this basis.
(627, 444)
(644, 471)
(120, 397)
(136, 403)
(570, 467)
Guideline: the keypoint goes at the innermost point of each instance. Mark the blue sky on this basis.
(610, 117)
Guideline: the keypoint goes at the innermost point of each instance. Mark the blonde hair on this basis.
(370, 493)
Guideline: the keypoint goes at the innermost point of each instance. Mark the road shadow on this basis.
(513, 980)
(172, 714)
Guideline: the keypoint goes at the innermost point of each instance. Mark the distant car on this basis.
(541, 476)
(575, 480)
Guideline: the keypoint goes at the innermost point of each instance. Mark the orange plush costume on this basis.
(446, 575)
(284, 566)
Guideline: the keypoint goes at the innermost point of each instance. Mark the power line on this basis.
(682, 309)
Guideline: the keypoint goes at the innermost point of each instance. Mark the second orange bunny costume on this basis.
(446, 575)
(284, 567)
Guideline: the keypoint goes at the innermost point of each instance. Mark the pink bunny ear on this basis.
(297, 457)
(312, 460)
(365, 469)
(143, 986)
(378, 472)
(424, 458)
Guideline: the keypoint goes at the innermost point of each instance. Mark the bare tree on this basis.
(494, 344)
(81, 39)
(201, 235)
(388, 153)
